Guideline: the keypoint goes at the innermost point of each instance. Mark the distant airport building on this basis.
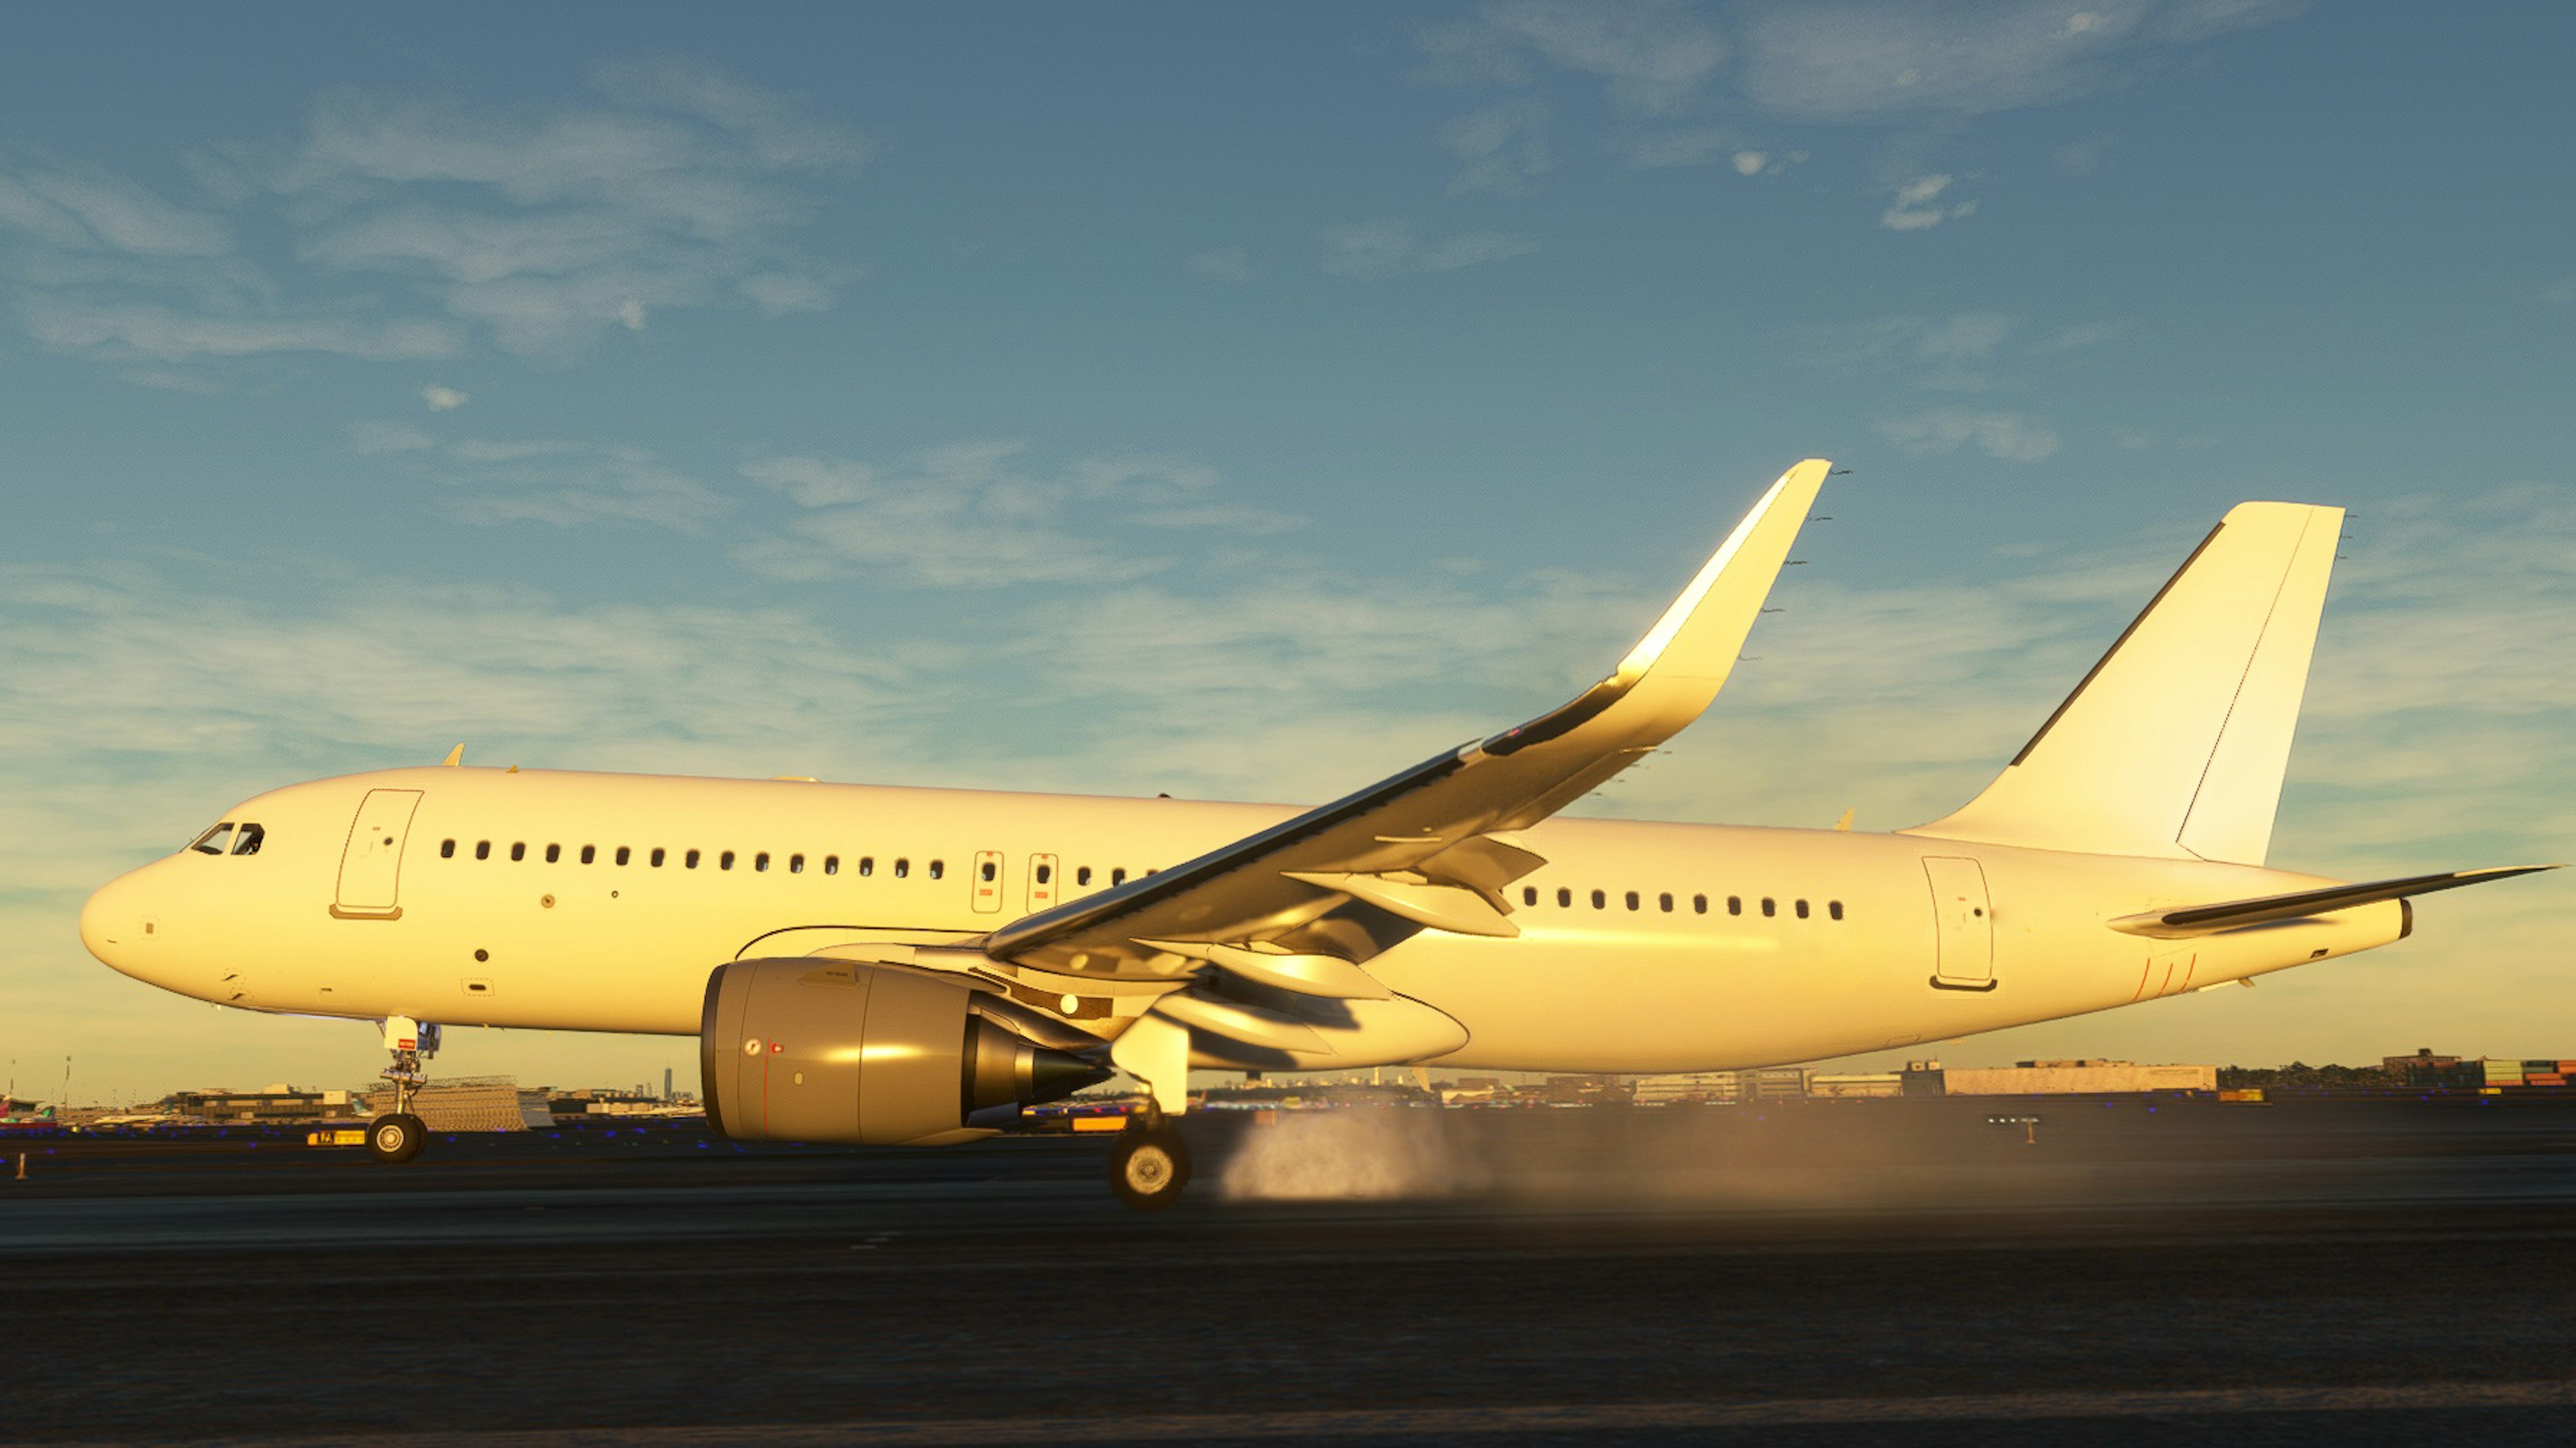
(279, 1105)
(1769, 1083)
(471, 1103)
(2421, 1069)
(2081, 1077)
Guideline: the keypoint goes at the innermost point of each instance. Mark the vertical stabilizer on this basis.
(2176, 743)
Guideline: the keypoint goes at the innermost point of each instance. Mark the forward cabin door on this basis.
(988, 881)
(1964, 924)
(371, 864)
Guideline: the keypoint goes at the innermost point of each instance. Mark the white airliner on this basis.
(892, 965)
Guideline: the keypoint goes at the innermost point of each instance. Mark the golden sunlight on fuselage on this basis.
(601, 902)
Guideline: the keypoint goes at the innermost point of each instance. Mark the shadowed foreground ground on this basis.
(1879, 1272)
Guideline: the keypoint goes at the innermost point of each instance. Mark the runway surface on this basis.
(1882, 1272)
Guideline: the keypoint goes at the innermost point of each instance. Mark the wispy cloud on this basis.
(81, 209)
(2006, 436)
(124, 330)
(444, 399)
(1950, 354)
(1918, 205)
(569, 483)
(1653, 59)
(439, 222)
(982, 515)
(2077, 338)
(1504, 148)
(1392, 247)
(1859, 60)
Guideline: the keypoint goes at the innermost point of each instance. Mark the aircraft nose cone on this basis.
(111, 924)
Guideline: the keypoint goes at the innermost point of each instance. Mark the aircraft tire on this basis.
(1149, 1167)
(395, 1139)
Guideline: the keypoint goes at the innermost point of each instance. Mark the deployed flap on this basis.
(2175, 744)
(2193, 920)
(1391, 842)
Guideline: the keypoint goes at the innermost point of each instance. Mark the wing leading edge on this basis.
(1429, 847)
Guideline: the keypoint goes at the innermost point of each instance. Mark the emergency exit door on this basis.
(1042, 883)
(371, 864)
(988, 881)
(1964, 924)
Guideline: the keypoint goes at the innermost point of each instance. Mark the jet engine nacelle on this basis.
(842, 1051)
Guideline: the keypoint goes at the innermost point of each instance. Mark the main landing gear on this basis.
(1150, 1164)
(398, 1135)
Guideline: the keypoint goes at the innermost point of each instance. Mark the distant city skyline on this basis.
(1245, 402)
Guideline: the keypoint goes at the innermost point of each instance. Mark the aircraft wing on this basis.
(2191, 920)
(1431, 846)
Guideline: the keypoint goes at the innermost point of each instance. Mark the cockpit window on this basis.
(248, 840)
(213, 841)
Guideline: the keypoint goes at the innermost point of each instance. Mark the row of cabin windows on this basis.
(1699, 903)
(760, 860)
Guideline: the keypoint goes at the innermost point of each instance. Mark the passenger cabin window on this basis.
(1770, 907)
(867, 864)
(1802, 909)
(1834, 909)
(1118, 876)
(655, 859)
(482, 849)
(1666, 901)
(1734, 904)
(589, 854)
(214, 841)
(689, 860)
(519, 850)
(1529, 894)
(796, 864)
(831, 864)
(760, 861)
(447, 849)
(1564, 896)
(1600, 901)
(1082, 876)
(1632, 899)
(1699, 904)
(903, 869)
(938, 869)
(725, 860)
(622, 855)
(554, 854)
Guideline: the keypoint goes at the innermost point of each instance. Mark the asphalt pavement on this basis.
(1836, 1272)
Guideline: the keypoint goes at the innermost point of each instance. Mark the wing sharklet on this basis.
(1660, 686)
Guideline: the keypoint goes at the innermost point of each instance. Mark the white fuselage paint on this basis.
(607, 947)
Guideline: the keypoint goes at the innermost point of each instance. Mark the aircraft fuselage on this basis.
(601, 902)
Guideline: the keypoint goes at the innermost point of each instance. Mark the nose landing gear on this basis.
(398, 1135)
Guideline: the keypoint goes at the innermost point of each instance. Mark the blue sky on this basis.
(1246, 401)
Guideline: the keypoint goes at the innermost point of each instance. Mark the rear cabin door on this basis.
(1042, 883)
(371, 865)
(1963, 922)
(988, 881)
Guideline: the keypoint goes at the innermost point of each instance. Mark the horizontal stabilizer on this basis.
(2266, 909)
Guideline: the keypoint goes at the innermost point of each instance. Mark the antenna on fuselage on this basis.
(454, 757)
